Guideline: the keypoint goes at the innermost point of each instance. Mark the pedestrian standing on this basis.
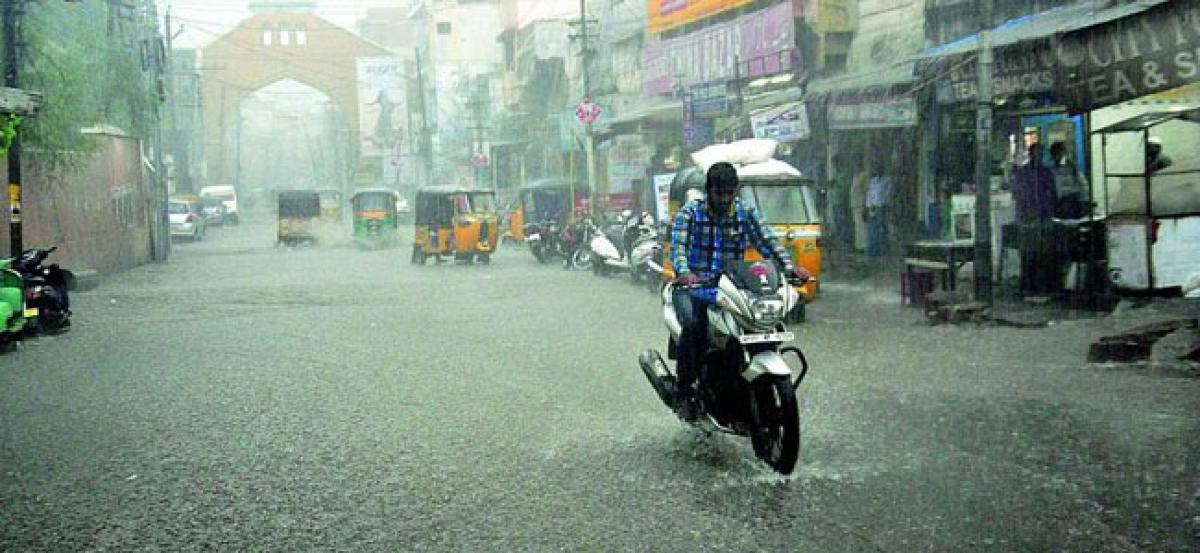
(879, 197)
(1035, 198)
(858, 207)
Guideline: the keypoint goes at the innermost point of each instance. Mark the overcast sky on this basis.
(202, 21)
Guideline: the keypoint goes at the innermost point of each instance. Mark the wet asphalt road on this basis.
(244, 397)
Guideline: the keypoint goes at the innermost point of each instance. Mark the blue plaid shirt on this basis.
(701, 245)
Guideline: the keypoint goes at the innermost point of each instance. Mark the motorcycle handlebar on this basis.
(710, 282)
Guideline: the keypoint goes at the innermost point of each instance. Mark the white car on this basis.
(186, 221)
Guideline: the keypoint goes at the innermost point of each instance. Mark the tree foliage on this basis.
(88, 67)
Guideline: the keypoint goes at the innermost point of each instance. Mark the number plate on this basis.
(765, 338)
(31, 313)
(533, 237)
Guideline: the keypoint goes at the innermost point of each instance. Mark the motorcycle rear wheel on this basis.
(775, 431)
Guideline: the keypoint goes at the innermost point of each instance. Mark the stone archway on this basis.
(270, 47)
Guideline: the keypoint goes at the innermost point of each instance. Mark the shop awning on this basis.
(1044, 25)
(1146, 120)
(663, 109)
(863, 82)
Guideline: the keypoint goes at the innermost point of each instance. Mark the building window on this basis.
(443, 27)
(301, 34)
(268, 35)
(285, 35)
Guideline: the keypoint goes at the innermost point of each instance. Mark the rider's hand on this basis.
(799, 273)
(687, 279)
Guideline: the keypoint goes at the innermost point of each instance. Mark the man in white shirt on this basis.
(879, 197)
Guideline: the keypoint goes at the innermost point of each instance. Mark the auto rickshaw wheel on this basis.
(485, 258)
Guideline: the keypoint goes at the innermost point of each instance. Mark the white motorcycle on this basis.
(744, 385)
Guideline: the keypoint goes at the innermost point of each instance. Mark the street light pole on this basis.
(12, 44)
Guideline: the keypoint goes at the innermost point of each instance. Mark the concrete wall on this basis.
(887, 31)
(98, 216)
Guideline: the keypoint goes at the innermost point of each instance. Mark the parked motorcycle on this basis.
(543, 240)
(745, 387)
(576, 239)
(13, 312)
(612, 249)
(45, 290)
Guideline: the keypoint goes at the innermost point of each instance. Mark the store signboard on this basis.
(1019, 70)
(785, 123)
(1127, 58)
(664, 15)
(872, 112)
(763, 42)
(710, 99)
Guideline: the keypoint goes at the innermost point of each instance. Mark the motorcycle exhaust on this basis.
(659, 375)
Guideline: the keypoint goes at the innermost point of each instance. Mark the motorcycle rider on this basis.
(708, 233)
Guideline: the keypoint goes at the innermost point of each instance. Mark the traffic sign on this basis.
(587, 111)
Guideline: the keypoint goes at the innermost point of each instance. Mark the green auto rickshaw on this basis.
(297, 209)
(375, 218)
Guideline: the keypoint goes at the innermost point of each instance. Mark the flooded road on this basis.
(244, 396)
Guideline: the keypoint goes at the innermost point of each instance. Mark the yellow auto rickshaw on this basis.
(296, 211)
(331, 205)
(543, 200)
(456, 221)
(783, 197)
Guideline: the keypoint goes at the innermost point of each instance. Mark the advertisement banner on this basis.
(866, 112)
(664, 15)
(381, 104)
(762, 42)
(662, 194)
(1134, 56)
(785, 123)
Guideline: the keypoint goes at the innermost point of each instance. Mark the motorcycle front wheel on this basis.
(775, 433)
(582, 259)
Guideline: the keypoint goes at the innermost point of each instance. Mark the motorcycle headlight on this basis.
(767, 309)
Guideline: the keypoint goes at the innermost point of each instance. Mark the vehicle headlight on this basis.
(767, 309)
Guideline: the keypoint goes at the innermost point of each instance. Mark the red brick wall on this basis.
(97, 215)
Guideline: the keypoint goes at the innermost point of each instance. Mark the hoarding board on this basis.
(381, 104)
(664, 15)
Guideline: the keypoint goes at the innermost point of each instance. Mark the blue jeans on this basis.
(692, 312)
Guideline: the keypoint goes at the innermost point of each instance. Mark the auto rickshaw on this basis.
(541, 200)
(375, 220)
(783, 197)
(452, 220)
(296, 211)
(331, 205)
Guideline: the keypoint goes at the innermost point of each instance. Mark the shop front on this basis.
(871, 120)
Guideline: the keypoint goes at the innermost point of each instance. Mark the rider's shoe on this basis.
(686, 406)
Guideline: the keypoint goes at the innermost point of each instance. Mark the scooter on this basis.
(632, 233)
(745, 387)
(14, 315)
(46, 290)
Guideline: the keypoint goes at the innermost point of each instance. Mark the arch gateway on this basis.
(281, 41)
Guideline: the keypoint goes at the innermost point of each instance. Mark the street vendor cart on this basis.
(1152, 220)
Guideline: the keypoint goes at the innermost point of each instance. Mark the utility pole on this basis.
(589, 139)
(13, 11)
(152, 47)
(426, 144)
(983, 162)
(477, 103)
